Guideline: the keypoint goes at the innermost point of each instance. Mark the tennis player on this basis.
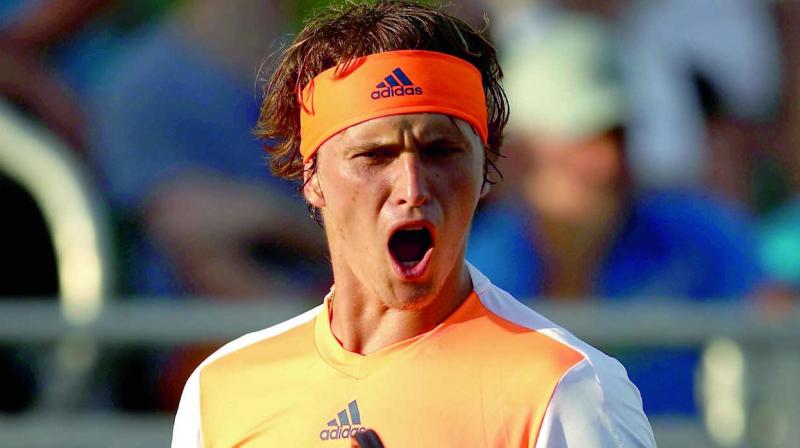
(391, 113)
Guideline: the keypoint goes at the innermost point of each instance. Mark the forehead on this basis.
(422, 128)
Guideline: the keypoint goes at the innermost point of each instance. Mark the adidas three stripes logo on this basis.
(343, 418)
(345, 425)
(393, 78)
(396, 83)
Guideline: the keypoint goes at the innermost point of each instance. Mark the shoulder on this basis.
(276, 339)
(595, 406)
(593, 403)
(260, 351)
(506, 307)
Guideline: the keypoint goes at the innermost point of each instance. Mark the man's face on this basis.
(397, 196)
(569, 180)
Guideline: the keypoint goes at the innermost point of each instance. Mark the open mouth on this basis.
(409, 246)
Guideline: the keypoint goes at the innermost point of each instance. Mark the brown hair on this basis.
(356, 28)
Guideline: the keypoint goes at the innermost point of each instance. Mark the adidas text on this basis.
(341, 432)
(395, 91)
(346, 424)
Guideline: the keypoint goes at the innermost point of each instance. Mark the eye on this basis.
(375, 154)
(441, 151)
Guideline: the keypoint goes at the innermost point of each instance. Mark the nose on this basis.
(411, 186)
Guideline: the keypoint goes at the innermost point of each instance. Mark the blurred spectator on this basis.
(187, 179)
(28, 82)
(730, 44)
(577, 228)
(173, 138)
(787, 132)
(27, 31)
(780, 246)
(780, 228)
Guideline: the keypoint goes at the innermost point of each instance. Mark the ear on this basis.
(485, 189)
(311, 187)
(486, 186)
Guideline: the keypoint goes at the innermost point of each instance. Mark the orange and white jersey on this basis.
(494, 374)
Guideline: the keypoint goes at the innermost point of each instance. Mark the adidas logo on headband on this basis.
(397, 83)
(376, 86)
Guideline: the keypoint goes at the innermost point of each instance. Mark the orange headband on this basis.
(390, 83)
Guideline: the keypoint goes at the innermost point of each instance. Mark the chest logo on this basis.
(346, 424)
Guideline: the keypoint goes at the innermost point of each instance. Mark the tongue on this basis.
(409, 245)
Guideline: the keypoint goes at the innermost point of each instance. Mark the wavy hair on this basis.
(343, 32)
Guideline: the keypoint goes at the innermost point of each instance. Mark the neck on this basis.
(364, 322)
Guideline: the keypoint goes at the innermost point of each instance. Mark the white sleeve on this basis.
(591, 410)
(186, 431)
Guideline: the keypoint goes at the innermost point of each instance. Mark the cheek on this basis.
(352, 200)
(470, 187)
(348, 186)
(601, 167)
(461, 186)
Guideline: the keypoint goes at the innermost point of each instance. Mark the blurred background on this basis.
(649, 201)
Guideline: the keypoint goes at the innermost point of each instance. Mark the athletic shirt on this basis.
(494, 374)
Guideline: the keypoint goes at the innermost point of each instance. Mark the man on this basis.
(390, 113)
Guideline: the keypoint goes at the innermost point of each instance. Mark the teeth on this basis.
(414, 228)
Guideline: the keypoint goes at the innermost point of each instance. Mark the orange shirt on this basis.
(479, 378)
